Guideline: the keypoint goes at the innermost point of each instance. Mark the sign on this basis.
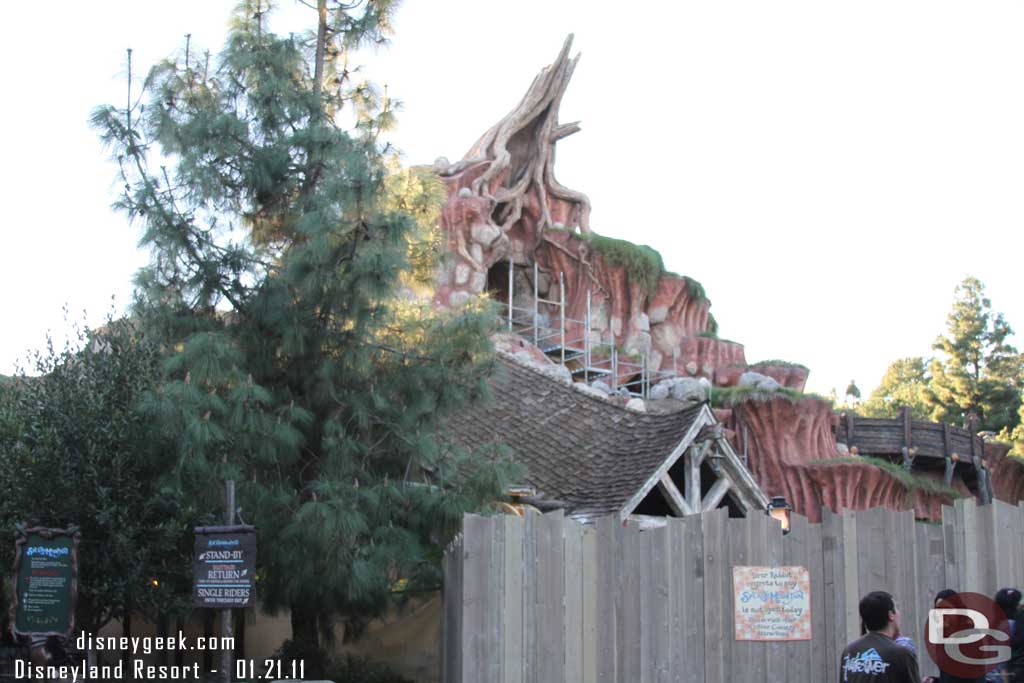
(772, 603)
(224, 566)
(45, 582)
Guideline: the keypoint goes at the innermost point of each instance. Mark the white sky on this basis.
(829, 171)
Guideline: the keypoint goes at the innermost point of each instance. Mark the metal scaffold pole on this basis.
(561, 304)
(586, 344)
(536, 303)
(511, 283)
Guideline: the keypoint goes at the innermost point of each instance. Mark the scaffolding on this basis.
(587, 360)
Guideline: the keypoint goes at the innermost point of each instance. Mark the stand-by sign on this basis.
(224, 566)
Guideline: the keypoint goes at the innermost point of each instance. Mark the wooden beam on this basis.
(908, 439)
(674, 498)
(716, 494)
(694, 457)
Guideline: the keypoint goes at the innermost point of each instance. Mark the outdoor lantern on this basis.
(779, 509)
(714, 459)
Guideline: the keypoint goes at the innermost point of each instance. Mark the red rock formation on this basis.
(1007, 473)
(788, 445)
(505, 206)
(786, 374)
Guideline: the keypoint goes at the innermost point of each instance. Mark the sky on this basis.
(829, 171)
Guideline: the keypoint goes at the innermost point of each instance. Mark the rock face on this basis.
(788, 444)
(505, 209)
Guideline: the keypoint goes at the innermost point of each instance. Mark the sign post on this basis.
(224, 571)
(45, 582)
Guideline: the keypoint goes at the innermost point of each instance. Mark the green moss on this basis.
(642, 263)
(695, 289)
(779, 363)
(909, 480)
(711, 330)
(727, 397)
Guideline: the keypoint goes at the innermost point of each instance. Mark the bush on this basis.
(351, 669)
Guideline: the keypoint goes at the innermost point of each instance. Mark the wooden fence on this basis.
(544, 599)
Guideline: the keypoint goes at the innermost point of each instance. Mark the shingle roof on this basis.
(580, 449)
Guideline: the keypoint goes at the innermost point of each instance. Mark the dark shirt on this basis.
(877, 659)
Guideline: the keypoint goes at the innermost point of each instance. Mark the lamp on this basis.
(778, 509)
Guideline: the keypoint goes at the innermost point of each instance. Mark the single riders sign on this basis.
(224, 566)
(45, 582)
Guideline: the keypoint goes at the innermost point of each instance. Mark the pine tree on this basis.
(977, 372)
(293, 367)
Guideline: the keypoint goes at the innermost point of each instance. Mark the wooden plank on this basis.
(832, 588)
(477, 652)
(658, 614)
(763, 532)
(629, 610)
(673, 497)
(550, 594)
(572, 581)
(968, 544)
(871, 554)
(851, 581)
(591, 597)
(716, 564)
(774, 659)
(984, 539)
(531, 524)
(740, 661)
(677, 579)
(692, 600)
(949, 549)
(931, 575)
(607, 591)
(512, 610)
(644, 569)
(819, 643)
(795, 553)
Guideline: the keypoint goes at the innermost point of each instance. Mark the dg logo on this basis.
(967, 635)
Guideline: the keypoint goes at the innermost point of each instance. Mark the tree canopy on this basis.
(294, 364)
(76, 451)
(974, 372)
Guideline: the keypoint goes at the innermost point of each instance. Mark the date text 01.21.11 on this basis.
(269, 669)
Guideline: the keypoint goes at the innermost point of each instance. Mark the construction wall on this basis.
(545, 599)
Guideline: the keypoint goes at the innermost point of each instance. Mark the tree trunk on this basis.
(306, 639)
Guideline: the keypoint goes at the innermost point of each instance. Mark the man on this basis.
(875, 657)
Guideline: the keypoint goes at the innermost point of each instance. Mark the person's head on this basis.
(1009, 600)
(878, 612)
(944, 594)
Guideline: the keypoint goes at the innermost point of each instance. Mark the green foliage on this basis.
(905, 384)
(351, 669)
(642, 263)
(727, 397)
(417, 192)
(280, 243)
(908, 480)
(711, 329)
(75, 450)
(779, 364)
(696, 290)
(977, 370)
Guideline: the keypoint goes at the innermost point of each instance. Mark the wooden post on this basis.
(907, 432)
(849, 430)
(227, 627)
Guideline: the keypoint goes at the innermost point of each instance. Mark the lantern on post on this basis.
(779, 510)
